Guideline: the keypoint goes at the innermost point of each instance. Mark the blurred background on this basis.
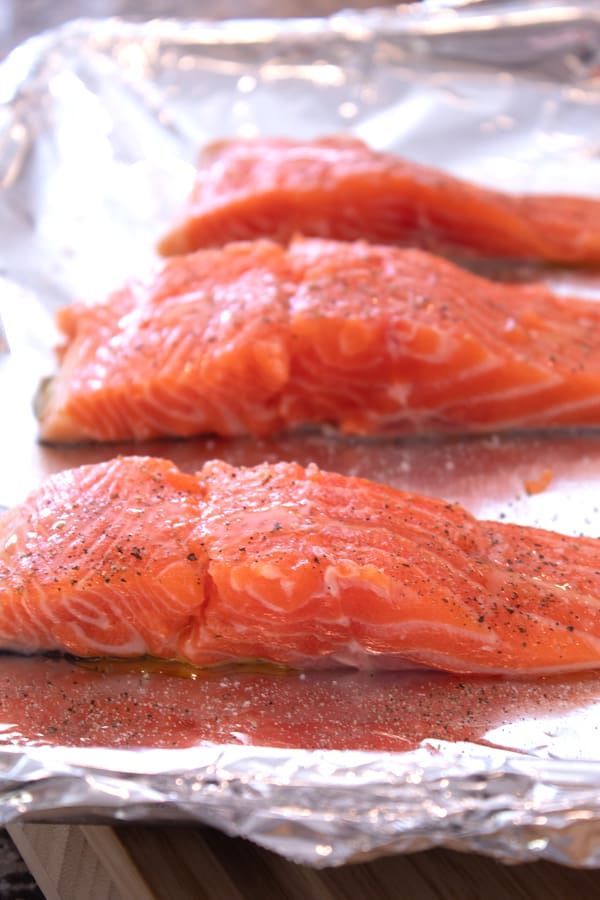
(21, 18)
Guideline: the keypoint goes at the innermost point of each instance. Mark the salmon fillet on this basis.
(255, 338)
(337, 187)
(295, 566)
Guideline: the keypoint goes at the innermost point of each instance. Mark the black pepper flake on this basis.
(192, 557)
(136, 552)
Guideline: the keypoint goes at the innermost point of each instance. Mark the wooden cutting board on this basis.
(76, 862)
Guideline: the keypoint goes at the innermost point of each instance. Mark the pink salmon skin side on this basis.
(257, 339)
(294, 566)
(338, 187)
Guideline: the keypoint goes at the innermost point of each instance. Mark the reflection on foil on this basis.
(570, 735)
(223, 748)
(99, 129)
(125, 704)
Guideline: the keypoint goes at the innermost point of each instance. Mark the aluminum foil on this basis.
(99, 125)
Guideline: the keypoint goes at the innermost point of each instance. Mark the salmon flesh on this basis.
(338, 187)
(295, 566)
(255, 338)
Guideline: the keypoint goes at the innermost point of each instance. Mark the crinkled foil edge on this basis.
(324, 807)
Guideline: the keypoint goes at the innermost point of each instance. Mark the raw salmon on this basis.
(295, 566)
(339, 188)
(255, 339)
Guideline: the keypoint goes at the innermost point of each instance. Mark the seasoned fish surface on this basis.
(370, 339)
(295, 566)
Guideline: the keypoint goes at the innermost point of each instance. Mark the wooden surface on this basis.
(72, 862)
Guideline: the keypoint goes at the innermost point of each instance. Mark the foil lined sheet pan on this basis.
(99, 125)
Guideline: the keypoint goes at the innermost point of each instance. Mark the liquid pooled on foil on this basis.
(104, 704)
